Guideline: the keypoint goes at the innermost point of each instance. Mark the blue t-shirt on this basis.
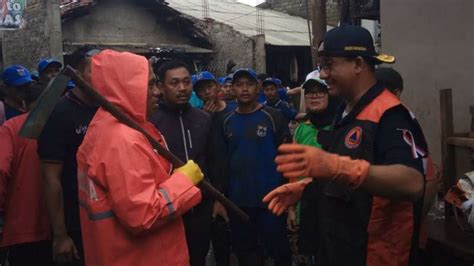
(11, 112)
(251, 146)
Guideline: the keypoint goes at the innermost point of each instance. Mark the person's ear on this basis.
(359, 64)
(398, 93)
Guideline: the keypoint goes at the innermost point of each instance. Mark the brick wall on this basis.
(229, 44)
(40, 37)
(298, 8)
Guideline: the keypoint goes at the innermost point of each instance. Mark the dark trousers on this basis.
(264, 231)
(197, 224)
(27, 254)
(220, 234)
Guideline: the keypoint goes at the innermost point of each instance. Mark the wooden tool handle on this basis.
(125, 119)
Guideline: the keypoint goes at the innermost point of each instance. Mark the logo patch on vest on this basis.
(353, 138)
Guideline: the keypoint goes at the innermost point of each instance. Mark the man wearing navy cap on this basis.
(48, 68)
(57, 147)
(370, 179)
(17, 84)
(250, 136)
(207, 90)
(270, 89)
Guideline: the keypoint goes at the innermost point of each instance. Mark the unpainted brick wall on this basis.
(228, 44)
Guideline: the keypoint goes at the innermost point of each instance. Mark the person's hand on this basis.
(192, 171)
(291, 219)
(283, 196)
(64, 250)
(210, 107)
(219, 209)
(299, 160)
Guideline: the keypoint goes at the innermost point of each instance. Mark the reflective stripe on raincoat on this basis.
(130, 206)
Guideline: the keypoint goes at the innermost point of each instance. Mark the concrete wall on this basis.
(41, 37)
(434, 45)
(121, 21)
(298, 8)
(229, 44)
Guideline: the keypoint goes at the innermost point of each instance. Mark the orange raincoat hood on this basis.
(122, 78)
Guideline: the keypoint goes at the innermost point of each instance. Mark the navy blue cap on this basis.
(351, 41)
(245, 71)
(35, 75)
(279, 83)
(204, 76)
(270, 81)
(46, 62)
(228, 80)
(16, 75)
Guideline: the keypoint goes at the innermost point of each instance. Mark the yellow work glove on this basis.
(192, 171)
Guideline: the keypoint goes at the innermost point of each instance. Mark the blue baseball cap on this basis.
(16, 75)
(270, 81)
(228, 80)
(70, 85)
(204, 76)
(221, 80)
(193, 79)
(35, 75)
(46, 62)
(245, 71)
(279, 83)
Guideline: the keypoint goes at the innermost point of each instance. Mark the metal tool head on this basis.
(39, 114)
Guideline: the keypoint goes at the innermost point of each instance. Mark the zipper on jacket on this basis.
(184, 137)
(190, 140)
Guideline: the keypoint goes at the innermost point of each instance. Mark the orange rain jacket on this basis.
(130, 206)
(21, 188)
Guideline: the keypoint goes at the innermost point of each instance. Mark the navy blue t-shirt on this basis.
(11, 112)
(251, 142)
(59, 141)
(286, 110)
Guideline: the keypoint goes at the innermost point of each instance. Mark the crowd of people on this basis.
(351, 184)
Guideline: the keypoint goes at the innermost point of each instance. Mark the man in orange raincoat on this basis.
(131, 202)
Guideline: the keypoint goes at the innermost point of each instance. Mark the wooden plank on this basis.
(472, 121)
(447, 151)
(461, 142)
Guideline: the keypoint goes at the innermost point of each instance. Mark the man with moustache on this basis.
(186, 130)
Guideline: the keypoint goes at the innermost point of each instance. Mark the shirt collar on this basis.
(367, 98)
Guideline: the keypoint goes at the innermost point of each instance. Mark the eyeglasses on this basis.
(314, 94)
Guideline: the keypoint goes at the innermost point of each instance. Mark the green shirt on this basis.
(307, 134)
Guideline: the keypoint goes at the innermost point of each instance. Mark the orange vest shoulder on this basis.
(375, 110)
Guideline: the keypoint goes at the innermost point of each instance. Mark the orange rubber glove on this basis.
(299, 160)
(284, 196)
(192, 171)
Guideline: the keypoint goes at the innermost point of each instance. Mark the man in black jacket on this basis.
(186, 130)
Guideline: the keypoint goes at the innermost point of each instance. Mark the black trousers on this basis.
(27, 254)
(221, 242)
(197, 224)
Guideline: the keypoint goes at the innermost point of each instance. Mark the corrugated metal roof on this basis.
(280, 29)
